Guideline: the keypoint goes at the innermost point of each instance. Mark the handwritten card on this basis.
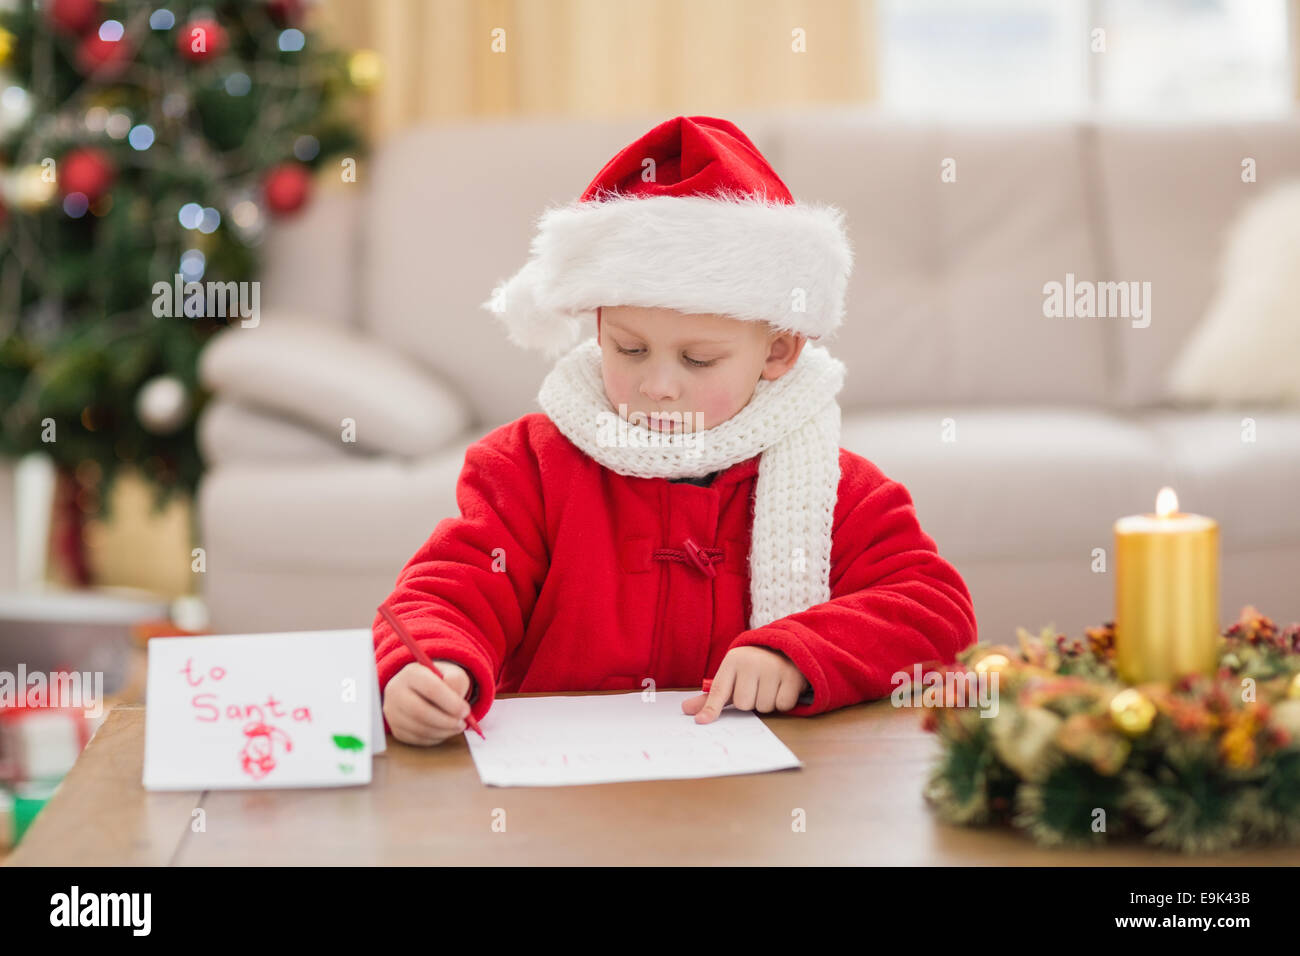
(257, 711)
(611, 738)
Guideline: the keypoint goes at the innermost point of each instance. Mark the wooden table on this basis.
(864, 769)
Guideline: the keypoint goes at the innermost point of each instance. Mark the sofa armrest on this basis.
(230, 432)
(322, 376)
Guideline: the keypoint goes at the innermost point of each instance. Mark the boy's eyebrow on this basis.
(621, 328)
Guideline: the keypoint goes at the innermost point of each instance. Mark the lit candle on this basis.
(1166, 593)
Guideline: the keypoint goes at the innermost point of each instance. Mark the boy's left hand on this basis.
(750, 678)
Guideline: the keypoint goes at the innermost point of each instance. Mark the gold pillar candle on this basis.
(1166, 593)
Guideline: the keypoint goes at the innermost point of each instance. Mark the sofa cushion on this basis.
(1019, 483)
(1241, 467)
(1167, 194)
(1015, 483)
(323, 376)
(1246, 348)
(946, 298)
(361, 515)
(230, 432)
(310, 259)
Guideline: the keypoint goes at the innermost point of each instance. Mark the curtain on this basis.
(444, 59)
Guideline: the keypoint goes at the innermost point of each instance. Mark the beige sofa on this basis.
(1021, 437)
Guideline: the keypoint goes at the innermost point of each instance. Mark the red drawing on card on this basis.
(258, 755)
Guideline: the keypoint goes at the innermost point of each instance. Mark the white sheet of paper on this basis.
(611, 738)
(258, 711)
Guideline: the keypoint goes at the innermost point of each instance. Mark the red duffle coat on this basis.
(561, 575)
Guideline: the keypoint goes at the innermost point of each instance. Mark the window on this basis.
(1151, 57)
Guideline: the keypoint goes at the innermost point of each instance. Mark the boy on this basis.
(681, 508)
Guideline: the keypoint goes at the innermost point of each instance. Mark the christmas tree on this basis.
(140, 142)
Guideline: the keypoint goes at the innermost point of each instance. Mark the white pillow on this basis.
(1247, 347)
(230, 431)
(321, 375)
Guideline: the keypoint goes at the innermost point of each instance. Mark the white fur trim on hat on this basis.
(729, 254)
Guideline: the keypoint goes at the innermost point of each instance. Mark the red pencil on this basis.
(708, 683)
(420, 656)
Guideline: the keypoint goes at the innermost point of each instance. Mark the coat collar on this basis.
(737, 472)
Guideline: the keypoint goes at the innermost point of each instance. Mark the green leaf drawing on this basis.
(348, 742)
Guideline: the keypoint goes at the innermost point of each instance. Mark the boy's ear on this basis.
(783, 351)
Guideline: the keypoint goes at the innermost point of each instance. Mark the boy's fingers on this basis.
(719, 694)
(413, 736)
(428, 729)
(744, 692)
(692, 705)
(436, 691)
(431, 715)
(410, 733)
(439, 720)
(454, 676)
(788, 695)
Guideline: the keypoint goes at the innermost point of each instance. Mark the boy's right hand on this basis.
(423, 710)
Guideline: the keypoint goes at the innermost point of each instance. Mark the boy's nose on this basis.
(659, 389)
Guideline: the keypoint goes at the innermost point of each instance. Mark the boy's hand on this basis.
(751, 678)
(423, 710)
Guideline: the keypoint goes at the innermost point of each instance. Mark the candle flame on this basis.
(1166, 502)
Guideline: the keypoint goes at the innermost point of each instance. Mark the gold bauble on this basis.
(1293, 688)
(1237, 745)
(32, 189)
(992, 663)
(1023, 740)
(364, 69)
(1286, 714)
(1132, 712)
(6, 45)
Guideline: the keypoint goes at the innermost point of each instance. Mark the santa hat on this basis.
(689, 217)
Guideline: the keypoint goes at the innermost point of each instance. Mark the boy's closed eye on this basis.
(698, 363)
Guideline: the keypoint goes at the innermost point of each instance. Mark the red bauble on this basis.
(86, 170)
(285, 13)
(102, 59)
(207, 34)
(73, 16)
(287, 188)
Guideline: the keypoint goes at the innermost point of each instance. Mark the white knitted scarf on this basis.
(793, 422)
